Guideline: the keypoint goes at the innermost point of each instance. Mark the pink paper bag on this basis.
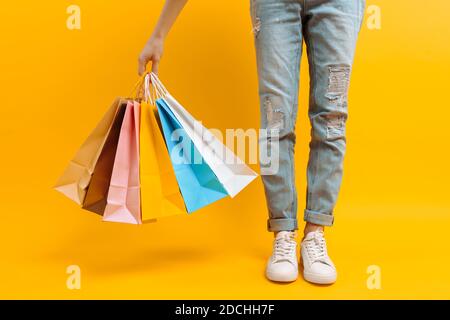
(123, 202)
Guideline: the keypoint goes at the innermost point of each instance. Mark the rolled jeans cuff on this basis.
(318, 218)
(283, 224)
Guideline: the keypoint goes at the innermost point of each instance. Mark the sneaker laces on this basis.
(317, 247)
(284, 247)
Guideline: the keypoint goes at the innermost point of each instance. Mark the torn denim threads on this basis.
(329, 29)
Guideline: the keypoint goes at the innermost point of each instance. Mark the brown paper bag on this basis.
(97, 193)
(76, 178)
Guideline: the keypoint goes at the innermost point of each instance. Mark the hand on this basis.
(152, 51)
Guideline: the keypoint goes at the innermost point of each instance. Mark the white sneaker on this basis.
(317, 266)
(282, 265)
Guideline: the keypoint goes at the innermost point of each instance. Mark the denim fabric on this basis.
(329, 29)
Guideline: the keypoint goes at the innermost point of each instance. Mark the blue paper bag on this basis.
(198, 184)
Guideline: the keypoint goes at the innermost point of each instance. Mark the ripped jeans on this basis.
(330, 29)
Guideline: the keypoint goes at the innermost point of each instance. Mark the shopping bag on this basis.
(230, 170)
(160, 195)
(77, 175)
(198, 184)
(123, 200)
(97, 192)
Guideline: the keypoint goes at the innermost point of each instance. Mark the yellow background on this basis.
(57, 83)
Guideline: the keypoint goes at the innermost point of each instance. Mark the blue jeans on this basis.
(330, 29)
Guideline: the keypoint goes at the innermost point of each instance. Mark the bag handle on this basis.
(158, 86)
(149, 88)
(149, 92)
(137, 91)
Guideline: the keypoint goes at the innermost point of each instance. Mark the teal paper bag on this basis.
(198, 184)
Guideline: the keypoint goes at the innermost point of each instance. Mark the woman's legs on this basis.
(330, 29)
